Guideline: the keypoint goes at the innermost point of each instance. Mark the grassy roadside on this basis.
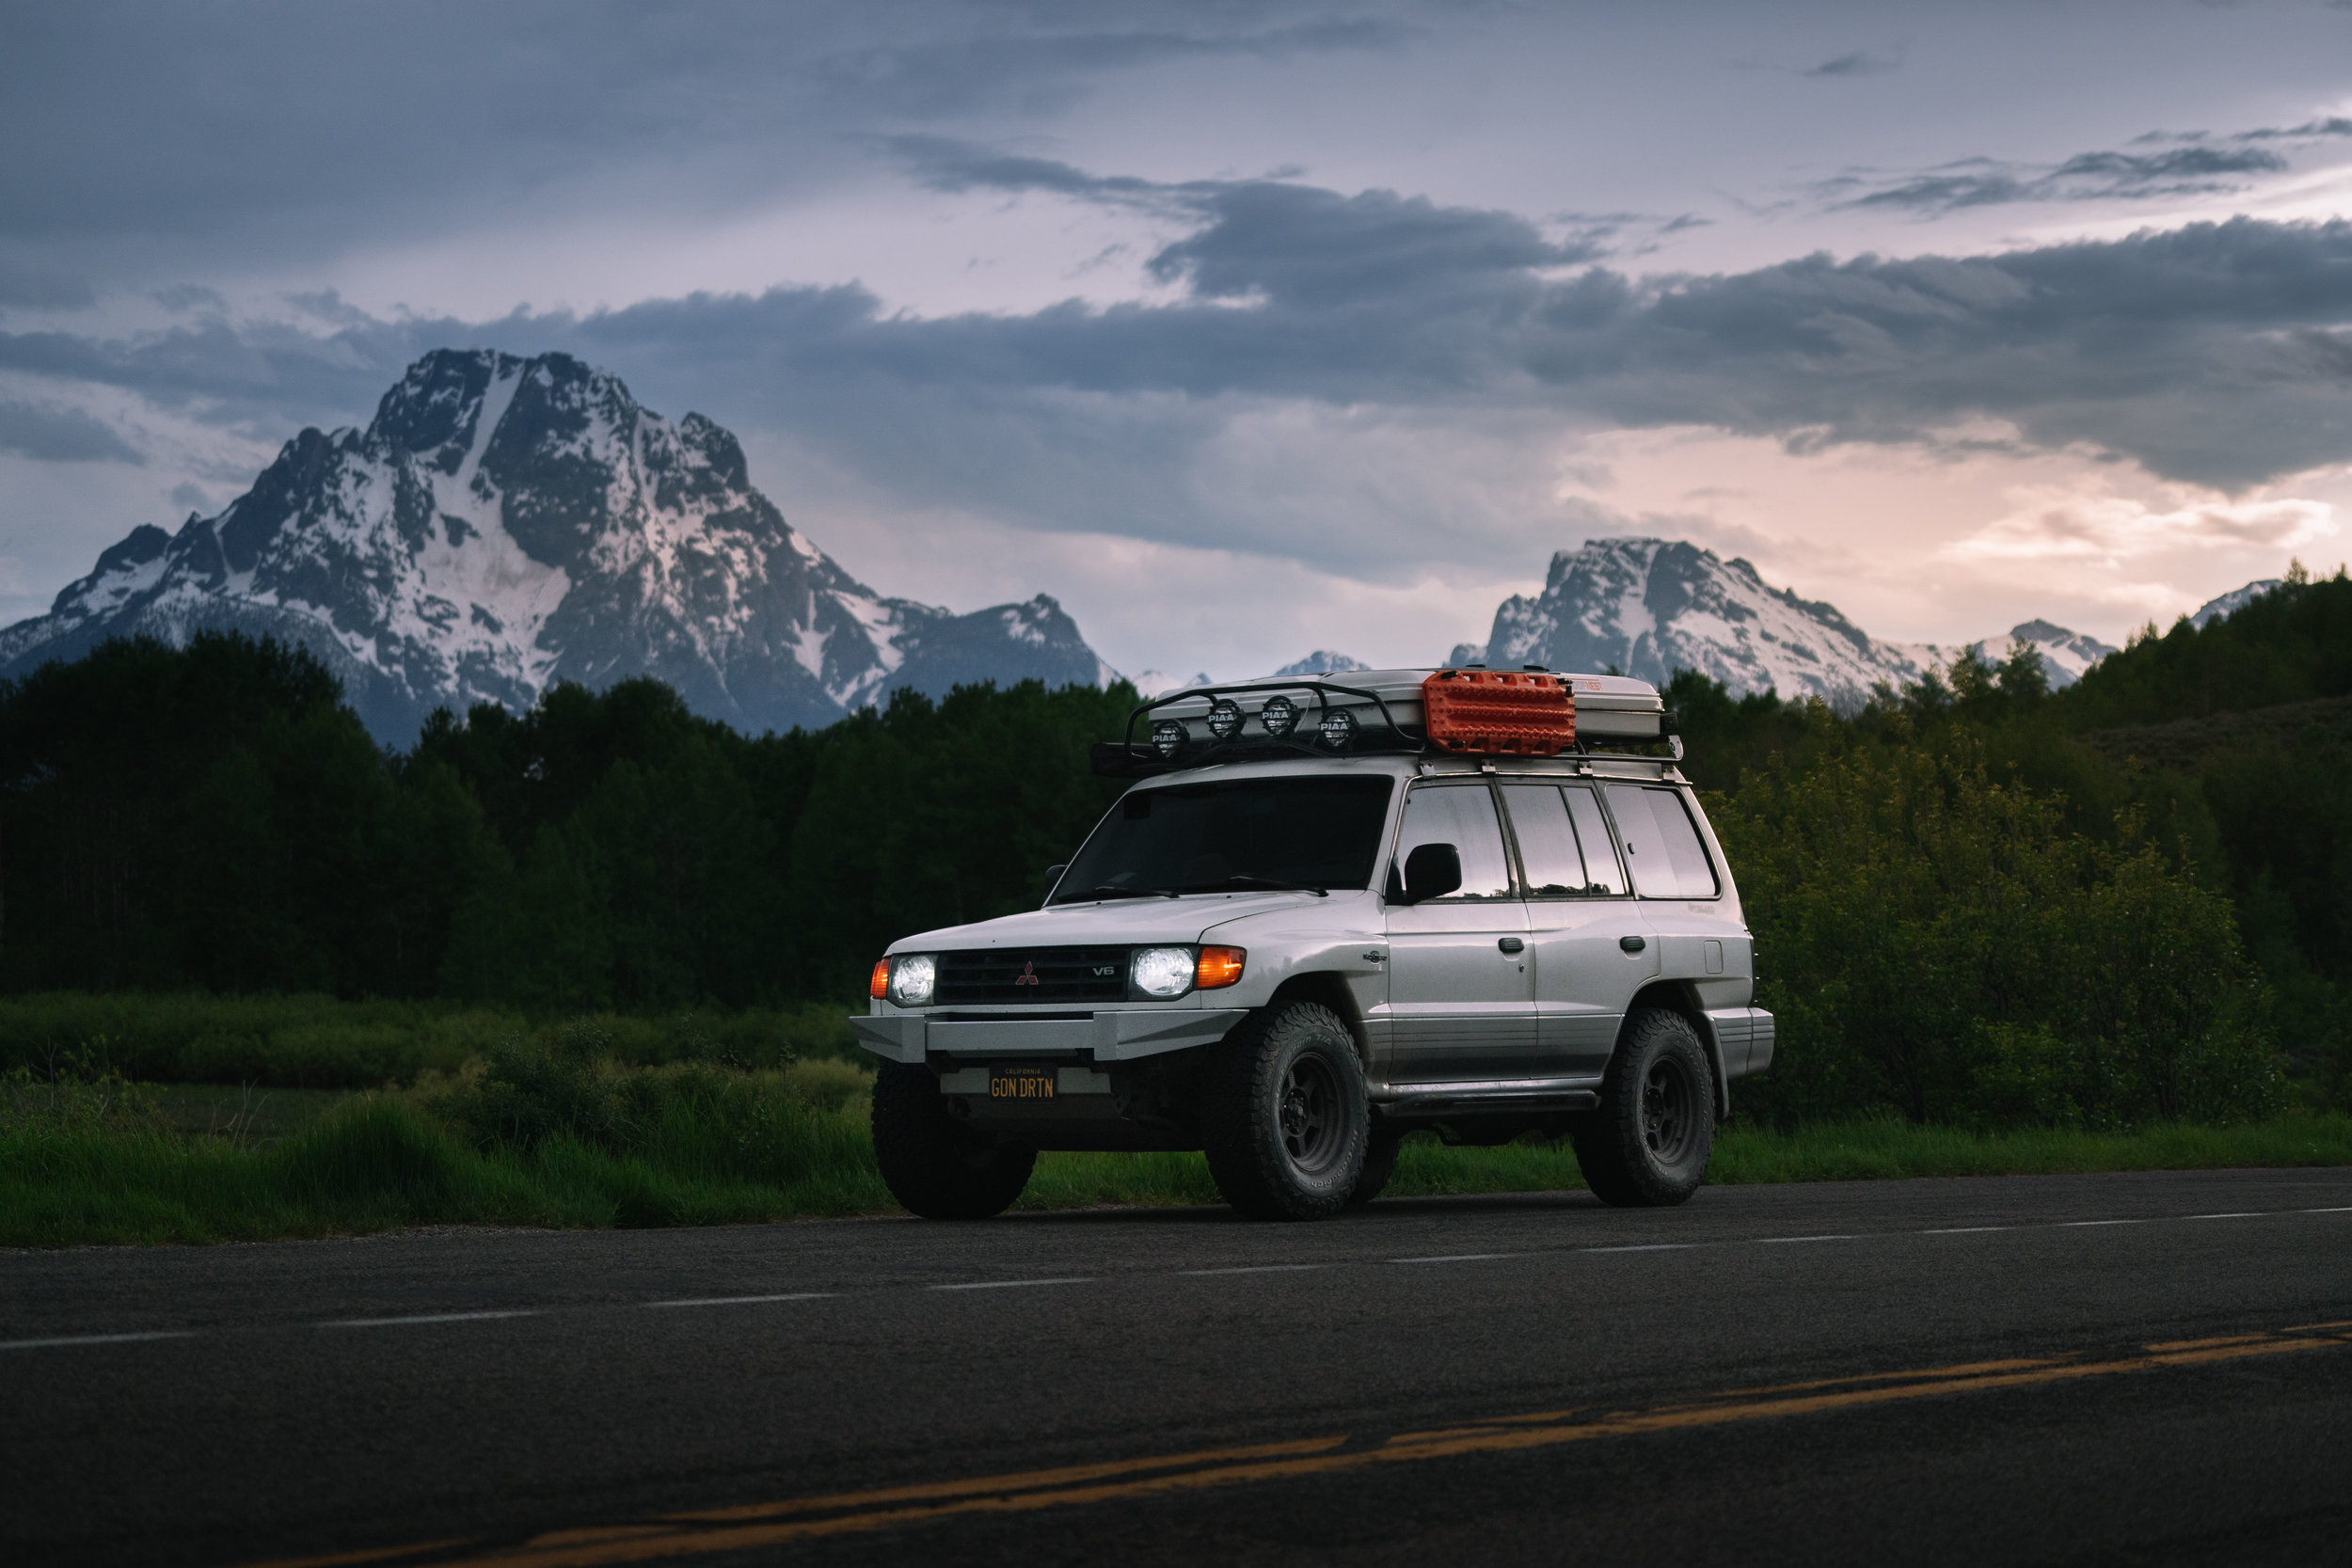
(320, 1042)
(793, 1145)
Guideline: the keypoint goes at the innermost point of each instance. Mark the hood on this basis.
(1131, 922)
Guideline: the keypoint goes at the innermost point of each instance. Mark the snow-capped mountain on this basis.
(2230, 603)
(2065, 655)
(1159, 683)
(504, 523)
(1322, 661)
(1650, 607)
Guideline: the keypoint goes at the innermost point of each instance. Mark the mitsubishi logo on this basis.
(1027, 976)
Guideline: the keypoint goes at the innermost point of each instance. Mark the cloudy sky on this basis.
(1241, 329)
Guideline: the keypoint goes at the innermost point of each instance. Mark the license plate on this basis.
(1020, 1082)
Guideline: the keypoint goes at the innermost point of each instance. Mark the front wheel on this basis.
(1285, 1117)
(933, 1163)
(1649, 1144)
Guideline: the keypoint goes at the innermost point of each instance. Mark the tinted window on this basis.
(1660, 843)
(1233, 835)
(1547, 851)
(1592, 834)
(1464, 816)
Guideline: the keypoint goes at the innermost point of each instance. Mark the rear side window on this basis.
(1464, 816)
(1557, 864)
(1662, 843)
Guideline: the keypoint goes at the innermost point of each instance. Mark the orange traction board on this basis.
(1499, 712)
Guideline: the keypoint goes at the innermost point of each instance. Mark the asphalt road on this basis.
(2102, 1369)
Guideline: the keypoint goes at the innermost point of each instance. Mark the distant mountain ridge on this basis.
(1650, 607)
(505, 523)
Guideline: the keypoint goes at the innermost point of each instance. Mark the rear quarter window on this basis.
(1661, 843)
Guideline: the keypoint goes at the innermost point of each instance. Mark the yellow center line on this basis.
(1962, 1370)
(1002, 1483)
(762, 1525)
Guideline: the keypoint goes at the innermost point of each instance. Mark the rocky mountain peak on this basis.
(505, 522)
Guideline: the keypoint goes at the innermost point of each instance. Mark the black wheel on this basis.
(1380, 1152)
(1284, 1115)
(1649, 1144)
(933, 1163)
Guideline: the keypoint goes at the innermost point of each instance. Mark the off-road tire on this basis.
(933, 1163)
(1380, 1152)
(1649, 1144)
(1284, 1115)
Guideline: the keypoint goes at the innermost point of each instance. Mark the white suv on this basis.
(1328, 914)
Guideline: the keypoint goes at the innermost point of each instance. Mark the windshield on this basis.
(1233, 836)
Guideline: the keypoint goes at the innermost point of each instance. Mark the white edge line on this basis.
(1965, 1230)
(2241, 1214)
(738, 1301)
(2079, 1224)
(1013, 1284)
(97, 1339)
(1653, 1246)
(1786, 1241)
(1457, 1257)
(428, 1318)
(2345, 1210)
(1254, 1268)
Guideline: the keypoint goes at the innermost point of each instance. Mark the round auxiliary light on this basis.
(1337, 729)
(1168, 739)
(1225, 718)
(1280, 716)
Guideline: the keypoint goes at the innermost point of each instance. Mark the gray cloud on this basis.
(2086, 177)
(54, 435)
(1859, 63)
(298, 132)
(2217, 353)
(2184, 163)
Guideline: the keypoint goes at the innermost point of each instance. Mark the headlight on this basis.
(1162, 971)
(912, 978)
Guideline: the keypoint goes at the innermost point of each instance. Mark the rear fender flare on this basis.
(1675, 996)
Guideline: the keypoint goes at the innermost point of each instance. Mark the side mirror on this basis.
(1053, 877)
(1431, 871)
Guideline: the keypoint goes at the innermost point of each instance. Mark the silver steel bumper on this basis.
(1744, 1037)
(1112, 1037)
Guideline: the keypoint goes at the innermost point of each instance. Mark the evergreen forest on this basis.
(1976, 901)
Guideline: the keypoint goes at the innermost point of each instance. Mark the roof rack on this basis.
(1362, 718)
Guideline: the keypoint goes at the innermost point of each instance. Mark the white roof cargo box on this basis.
(1608, 708)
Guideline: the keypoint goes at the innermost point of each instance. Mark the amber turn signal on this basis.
(879, 986)
(1218, 966)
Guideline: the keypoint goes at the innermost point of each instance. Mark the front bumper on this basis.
(1107, 1036)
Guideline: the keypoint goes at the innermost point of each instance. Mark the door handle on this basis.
(1511, 944)
(1631, 944)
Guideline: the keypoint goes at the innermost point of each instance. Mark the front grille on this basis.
(1023, 976)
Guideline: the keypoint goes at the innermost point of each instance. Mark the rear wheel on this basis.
(1283, 1115)
(933, 1163)
(1649, 1144)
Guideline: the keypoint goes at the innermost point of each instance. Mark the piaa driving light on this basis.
(1162, 971)
(1225, 718)
(1337, 729)
(1168, 739)
(1280, 716)
(912, 978)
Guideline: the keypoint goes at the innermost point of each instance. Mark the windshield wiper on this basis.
(1278, 884)
(1107, 891)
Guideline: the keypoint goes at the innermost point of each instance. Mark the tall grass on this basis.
(323, 1043)
(553, 1129)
